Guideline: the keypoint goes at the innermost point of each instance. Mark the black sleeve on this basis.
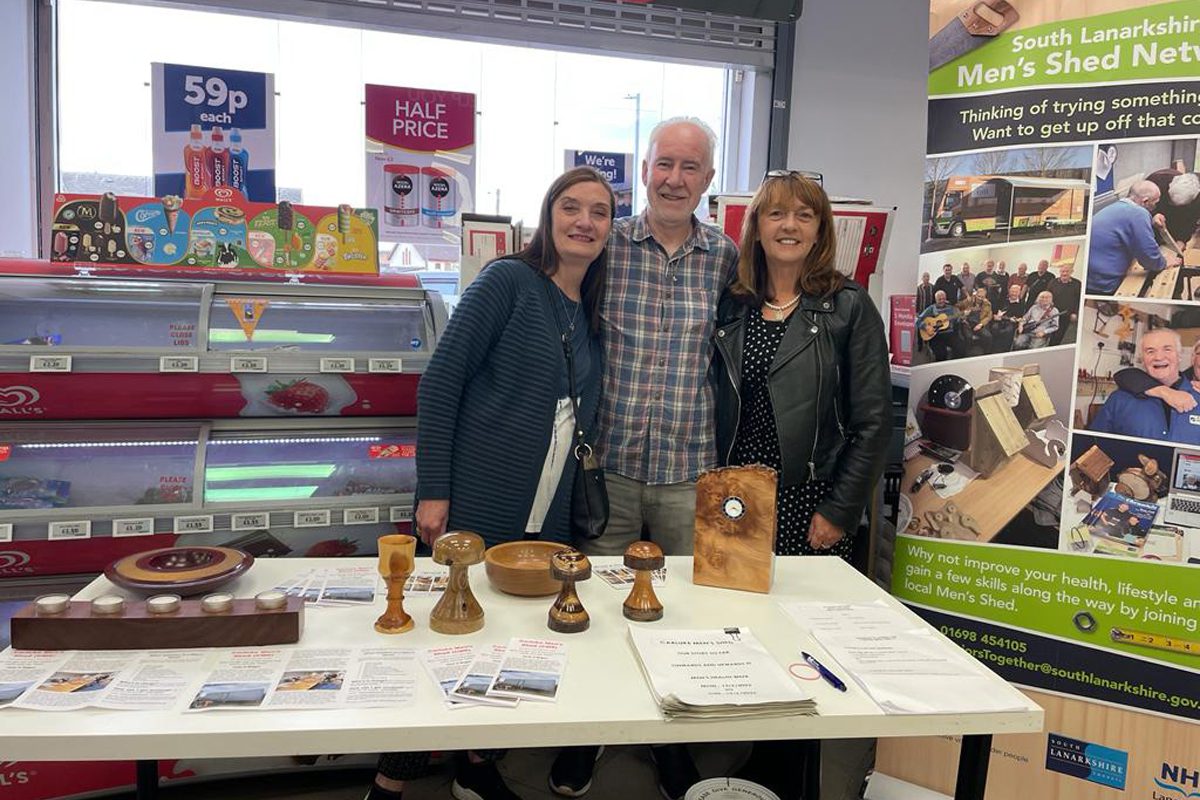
(1134, 381)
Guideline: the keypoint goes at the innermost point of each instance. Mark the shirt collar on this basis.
(699, 238)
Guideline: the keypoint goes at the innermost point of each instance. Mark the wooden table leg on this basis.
(147, 779)
(973, 759)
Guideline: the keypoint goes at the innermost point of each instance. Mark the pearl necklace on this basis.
(781, 311)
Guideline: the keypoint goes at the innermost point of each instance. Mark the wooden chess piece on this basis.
(396, 554)
(643, 605)
(568, 615)
(458, 611)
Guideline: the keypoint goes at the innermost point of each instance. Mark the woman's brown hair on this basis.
(818, 277)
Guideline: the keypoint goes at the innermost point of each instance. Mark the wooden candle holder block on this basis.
(135, 628)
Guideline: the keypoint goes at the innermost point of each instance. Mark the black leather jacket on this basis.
(830, 387)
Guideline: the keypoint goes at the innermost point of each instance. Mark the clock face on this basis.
(733, 507)
(952, 392)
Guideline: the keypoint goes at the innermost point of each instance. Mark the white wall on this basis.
(18, 193)
(858, 112)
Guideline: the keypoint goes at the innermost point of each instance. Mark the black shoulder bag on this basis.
(589, 495)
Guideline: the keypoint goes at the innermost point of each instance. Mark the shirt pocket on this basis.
(696, 310)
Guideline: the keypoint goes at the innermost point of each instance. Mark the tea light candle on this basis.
(217, 603)
(163, 604)
(108, 604)
(52, 603)
(270, 600)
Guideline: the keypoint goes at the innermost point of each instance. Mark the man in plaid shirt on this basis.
(666, 271)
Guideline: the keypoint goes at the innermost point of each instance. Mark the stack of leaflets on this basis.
(715, 674)
(497, 674)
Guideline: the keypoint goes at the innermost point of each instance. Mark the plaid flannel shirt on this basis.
(657, 409)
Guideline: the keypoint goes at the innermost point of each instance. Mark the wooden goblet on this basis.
(458, 611)
(568, 615)
(395, 565)
(643, 605)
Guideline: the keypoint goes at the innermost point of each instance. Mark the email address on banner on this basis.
(1084, 676)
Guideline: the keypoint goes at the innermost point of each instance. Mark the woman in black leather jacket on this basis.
(801, 369)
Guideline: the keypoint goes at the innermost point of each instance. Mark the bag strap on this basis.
(582, 449)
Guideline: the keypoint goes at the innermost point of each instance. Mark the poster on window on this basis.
(420, 159)
(213, 128)
(617, 169)
(1052, 477)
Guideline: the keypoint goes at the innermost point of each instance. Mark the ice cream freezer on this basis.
(74, 496)
(102, 348)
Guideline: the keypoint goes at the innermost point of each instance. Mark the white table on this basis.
(603, 697)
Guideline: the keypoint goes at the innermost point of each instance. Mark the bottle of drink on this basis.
(197, 165)
(239, 161)
(220, 158)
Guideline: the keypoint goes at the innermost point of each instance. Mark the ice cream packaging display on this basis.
(219, 230)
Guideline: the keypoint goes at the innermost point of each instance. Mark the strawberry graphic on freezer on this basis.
(295, 395)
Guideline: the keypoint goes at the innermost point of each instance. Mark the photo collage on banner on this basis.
(1050, 517)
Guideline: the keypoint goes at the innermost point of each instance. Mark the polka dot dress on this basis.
(758, 443)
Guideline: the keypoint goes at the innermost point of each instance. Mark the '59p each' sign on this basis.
(205, 96)
(213, 128)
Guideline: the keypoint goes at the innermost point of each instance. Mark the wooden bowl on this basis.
(523, 568)
(185, 571)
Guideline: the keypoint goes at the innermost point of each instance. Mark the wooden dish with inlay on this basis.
(182, 570)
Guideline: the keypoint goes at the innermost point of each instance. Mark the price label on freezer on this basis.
(200, 523)
(50, 363)
(311, 519)
(401, 514)
(81, 529)
(6, 532)
(383, 365)
(247, 364)
(360, 516)
(143, 526)
(250, 521)
(178, 364)
(337, 365)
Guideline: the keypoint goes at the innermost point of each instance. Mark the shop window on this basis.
(533, 104)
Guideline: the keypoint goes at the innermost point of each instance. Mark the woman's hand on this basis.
(432, 516)
(823, 534)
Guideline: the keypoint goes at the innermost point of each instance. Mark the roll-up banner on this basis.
(1050, 522)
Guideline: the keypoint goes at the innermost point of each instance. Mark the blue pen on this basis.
(834, 680)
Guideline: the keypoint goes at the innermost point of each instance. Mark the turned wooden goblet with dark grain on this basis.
(568, 615)
(643, 605)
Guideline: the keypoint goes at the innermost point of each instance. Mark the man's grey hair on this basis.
(708, 132)
(1184, 188)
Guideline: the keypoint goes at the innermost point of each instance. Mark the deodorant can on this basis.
(402, 203)
(439, 196)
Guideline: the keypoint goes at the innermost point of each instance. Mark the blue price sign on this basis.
(206, 97)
